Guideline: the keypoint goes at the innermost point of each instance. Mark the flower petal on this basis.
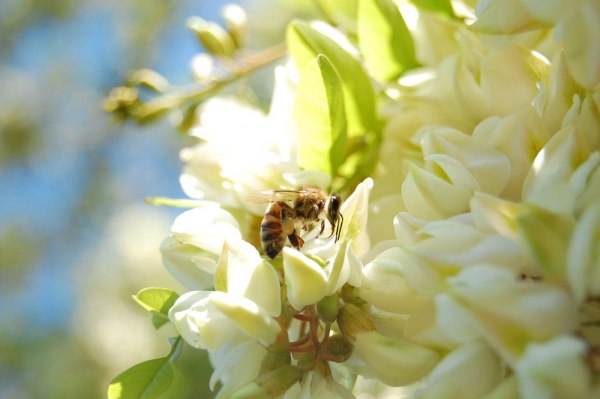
(306, 281)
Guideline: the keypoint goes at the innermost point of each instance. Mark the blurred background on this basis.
(76, 238)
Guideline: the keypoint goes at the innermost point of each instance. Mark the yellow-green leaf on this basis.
(305, 43)
(340, 12)
(442, 7)
(320, 117)
(384, 40)
(158, 301)
(143, 381)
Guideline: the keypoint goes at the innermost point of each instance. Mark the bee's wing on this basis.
(264, 196)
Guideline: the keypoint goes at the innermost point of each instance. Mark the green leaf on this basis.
(340, 12)
(158, 301)
(443, 7)
(143, 381)
(305, 43)
(320, 117)
(384, 40)
(221, 270)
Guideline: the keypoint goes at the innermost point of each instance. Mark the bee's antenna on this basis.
(338, 229)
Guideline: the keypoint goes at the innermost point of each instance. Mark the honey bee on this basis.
(306, 208)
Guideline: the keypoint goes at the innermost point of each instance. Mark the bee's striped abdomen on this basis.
(272, 237)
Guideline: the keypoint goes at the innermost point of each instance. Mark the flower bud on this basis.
(586, 183)
(583, 258)
(547, 184)
(203, 69)
(393, 360)
(353, 320)
(337, 349)
(274, 359)
(149, 79)
(199, 321)
(578, 29)
(507, 312)
(247, 316)
(236, 22)
(554, 369)
(188, 264)
(438, 194)
(384, 284)
(468, 372)
(519, 136)
(213, 37)
(556, 97)
(498, 17)
(546, 235)
(306, 281)
(492, 213)
(488, 166)
(328, 308)
(453, 245)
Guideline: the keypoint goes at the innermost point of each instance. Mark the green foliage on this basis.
(443, 7)
(320, 116)
(339, 12)
(384, 39)
(146, 380)
(305, 43)
(158, 301)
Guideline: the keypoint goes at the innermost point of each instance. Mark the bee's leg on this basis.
(295, 240)
(322, 226)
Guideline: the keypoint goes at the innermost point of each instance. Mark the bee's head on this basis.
(333, 214)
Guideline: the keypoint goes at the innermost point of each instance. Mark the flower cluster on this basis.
(478, 272)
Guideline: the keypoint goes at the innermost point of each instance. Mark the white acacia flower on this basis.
(241, 149)
(316, 386)
(192, 250)
(472, 267)
(506, 313)
(548, 181)
(470, 85)
(576, 25)
(468, 372)
(395, 361)
(554, 368)
(519, 136)
(208, 319)
(237, 363)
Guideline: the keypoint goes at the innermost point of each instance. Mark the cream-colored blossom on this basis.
(469, 271)
(393, 360)
(242, 154)
(488, 166)
(305, 279)
(384, 284)
(547, 183)
(316, 386)
(468, 372)
(191, 252)
(440, 192)
(236, 364)
(583, 261)
(507, 313)
(555, 368)
(200, 323)
(519, 136)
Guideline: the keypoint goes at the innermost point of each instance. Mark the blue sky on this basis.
(71, 64)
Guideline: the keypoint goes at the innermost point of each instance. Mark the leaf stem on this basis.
(248, 65)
